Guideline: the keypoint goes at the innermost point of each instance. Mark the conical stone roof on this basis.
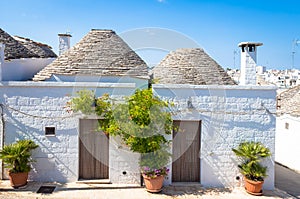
(13, 49)
(99, 53)
(39, 49)
(190, 66)
(288, 102)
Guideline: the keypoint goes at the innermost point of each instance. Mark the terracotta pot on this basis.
(18, 179)
(154, 185)
(253, 187)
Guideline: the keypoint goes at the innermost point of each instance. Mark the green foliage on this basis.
(84, 102)
(253, 171)
(142, 121)
(17, 156)
(250, 154)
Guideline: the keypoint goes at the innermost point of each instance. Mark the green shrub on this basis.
(251, 154)
(17, 156)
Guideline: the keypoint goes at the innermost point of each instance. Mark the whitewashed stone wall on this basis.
(123, 164)
(287, 141)
(31, 106)
(229, 115)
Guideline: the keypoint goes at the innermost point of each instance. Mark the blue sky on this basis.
(217, 26)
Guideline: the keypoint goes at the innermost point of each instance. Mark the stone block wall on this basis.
(229, 115)
(29, 107)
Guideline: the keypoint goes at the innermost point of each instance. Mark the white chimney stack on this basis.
(248, 62)
(64, 42)
(2, 47)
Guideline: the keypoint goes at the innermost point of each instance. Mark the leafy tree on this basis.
(141, 120)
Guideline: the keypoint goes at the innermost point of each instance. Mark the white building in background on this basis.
(260, 70)
(287, 128)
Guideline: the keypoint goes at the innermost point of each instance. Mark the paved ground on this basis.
(287, 180)
(83, 191)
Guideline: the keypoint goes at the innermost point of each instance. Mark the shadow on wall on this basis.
(219, 136)
(50, 156)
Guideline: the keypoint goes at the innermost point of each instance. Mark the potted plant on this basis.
(154, 178)
(153, 168)
(17, 158)
(251, 154)
(141, 120)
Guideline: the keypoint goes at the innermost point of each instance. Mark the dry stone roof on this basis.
(288, 102)
(40, 49)
(190, 66)
(100, 52)
(18, 47)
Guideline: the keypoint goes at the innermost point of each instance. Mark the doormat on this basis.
(46, 189)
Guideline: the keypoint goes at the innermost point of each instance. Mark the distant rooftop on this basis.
(289, 102)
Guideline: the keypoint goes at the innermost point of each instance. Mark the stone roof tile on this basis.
(40, 49)
(190, 66)
(18, 47)
(100, 52)
(288, 102)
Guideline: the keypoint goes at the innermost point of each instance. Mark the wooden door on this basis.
(186, 151)
(93, 151)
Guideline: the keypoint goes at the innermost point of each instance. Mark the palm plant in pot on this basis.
(251, 154)
(17, 158)
(142, 121)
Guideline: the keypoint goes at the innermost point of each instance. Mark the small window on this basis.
(50, 131)
(287, 125)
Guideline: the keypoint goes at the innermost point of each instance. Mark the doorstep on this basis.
(186, 184)
(94, 181)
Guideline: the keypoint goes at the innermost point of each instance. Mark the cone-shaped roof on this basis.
(288, 102)
(190, 66)
(100, 53)
(18, 47)
(39, 49)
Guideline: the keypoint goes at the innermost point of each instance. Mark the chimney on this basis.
(2, 47)
(248, 62)
(64, 42)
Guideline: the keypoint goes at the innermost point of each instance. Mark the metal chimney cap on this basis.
(250, 43)
(64, 35)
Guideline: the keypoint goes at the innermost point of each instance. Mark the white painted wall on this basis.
(229, 115)
(23, 69)
(31, 106)
(287, 141)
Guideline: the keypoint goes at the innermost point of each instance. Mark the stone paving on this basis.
(108, 191)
